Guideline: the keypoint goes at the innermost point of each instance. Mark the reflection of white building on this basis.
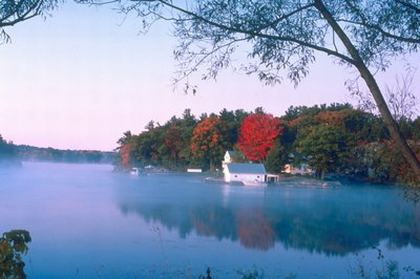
(135, 171)
(246, 173)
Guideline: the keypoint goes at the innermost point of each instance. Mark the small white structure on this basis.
(248, 174)
(195, 170)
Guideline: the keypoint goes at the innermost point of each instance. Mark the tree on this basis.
(324, 147)
(125, 155)
(276, 158)
(207, 142)
(7, 150)
(286, 34)
(257, 135)
(13, 12)
(173, 142)
(126, 138)
(13, 246)
(187, 124)
(232, 122)
(125, 149)
(147, 147)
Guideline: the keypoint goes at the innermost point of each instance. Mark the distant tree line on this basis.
(10, 153)
(7, 150)
(331, 139)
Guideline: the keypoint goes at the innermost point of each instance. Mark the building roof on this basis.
(246, 168)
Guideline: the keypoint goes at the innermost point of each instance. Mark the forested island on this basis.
(335, 139)
(11, 154)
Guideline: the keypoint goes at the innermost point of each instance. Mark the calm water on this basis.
(88, 222)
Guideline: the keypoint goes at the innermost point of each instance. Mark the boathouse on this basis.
(245, 173)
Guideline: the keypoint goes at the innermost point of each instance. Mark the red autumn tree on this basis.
(257, 135)
(207, 142)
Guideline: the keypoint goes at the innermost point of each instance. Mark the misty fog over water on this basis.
(87, 221)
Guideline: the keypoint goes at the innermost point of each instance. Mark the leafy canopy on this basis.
(13, 246)
(258, 133)
(208, 142)
(13, 12)
(281, 35)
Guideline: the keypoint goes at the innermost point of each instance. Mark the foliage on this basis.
(257, 135)
(323, 135)
(13, 12)
(13, 245)
(276, 158)
(324, 147)
(7, 150)
(232, 122)
(173, 142)
(209, 32)
(125, 155)
(381, 162)
(284, 36)
(170, 145)
(166, 145)
(208, 143)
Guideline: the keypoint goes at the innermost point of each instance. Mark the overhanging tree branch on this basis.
(252, 33)
(373, 87)
(408, 5)
(31, 12)
(383, 32)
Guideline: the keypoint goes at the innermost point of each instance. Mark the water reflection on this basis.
(13, 246)
(334, 222)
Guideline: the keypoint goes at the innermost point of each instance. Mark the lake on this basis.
(86, 221)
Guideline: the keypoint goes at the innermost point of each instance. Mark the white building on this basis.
(246, 173)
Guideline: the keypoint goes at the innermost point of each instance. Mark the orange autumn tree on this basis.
(126, 147)
(208, 143)
(125, 155)
(335, 118)
(257, 135)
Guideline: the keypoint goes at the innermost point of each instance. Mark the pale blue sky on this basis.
(81, 78)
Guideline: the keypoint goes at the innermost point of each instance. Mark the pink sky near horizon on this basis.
(81, 78)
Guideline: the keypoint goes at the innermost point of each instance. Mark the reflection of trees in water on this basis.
(329, 225)
(254, 229)
(340, 227)
(13, 245)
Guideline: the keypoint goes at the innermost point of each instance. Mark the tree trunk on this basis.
(370, 81)
(389, 121)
